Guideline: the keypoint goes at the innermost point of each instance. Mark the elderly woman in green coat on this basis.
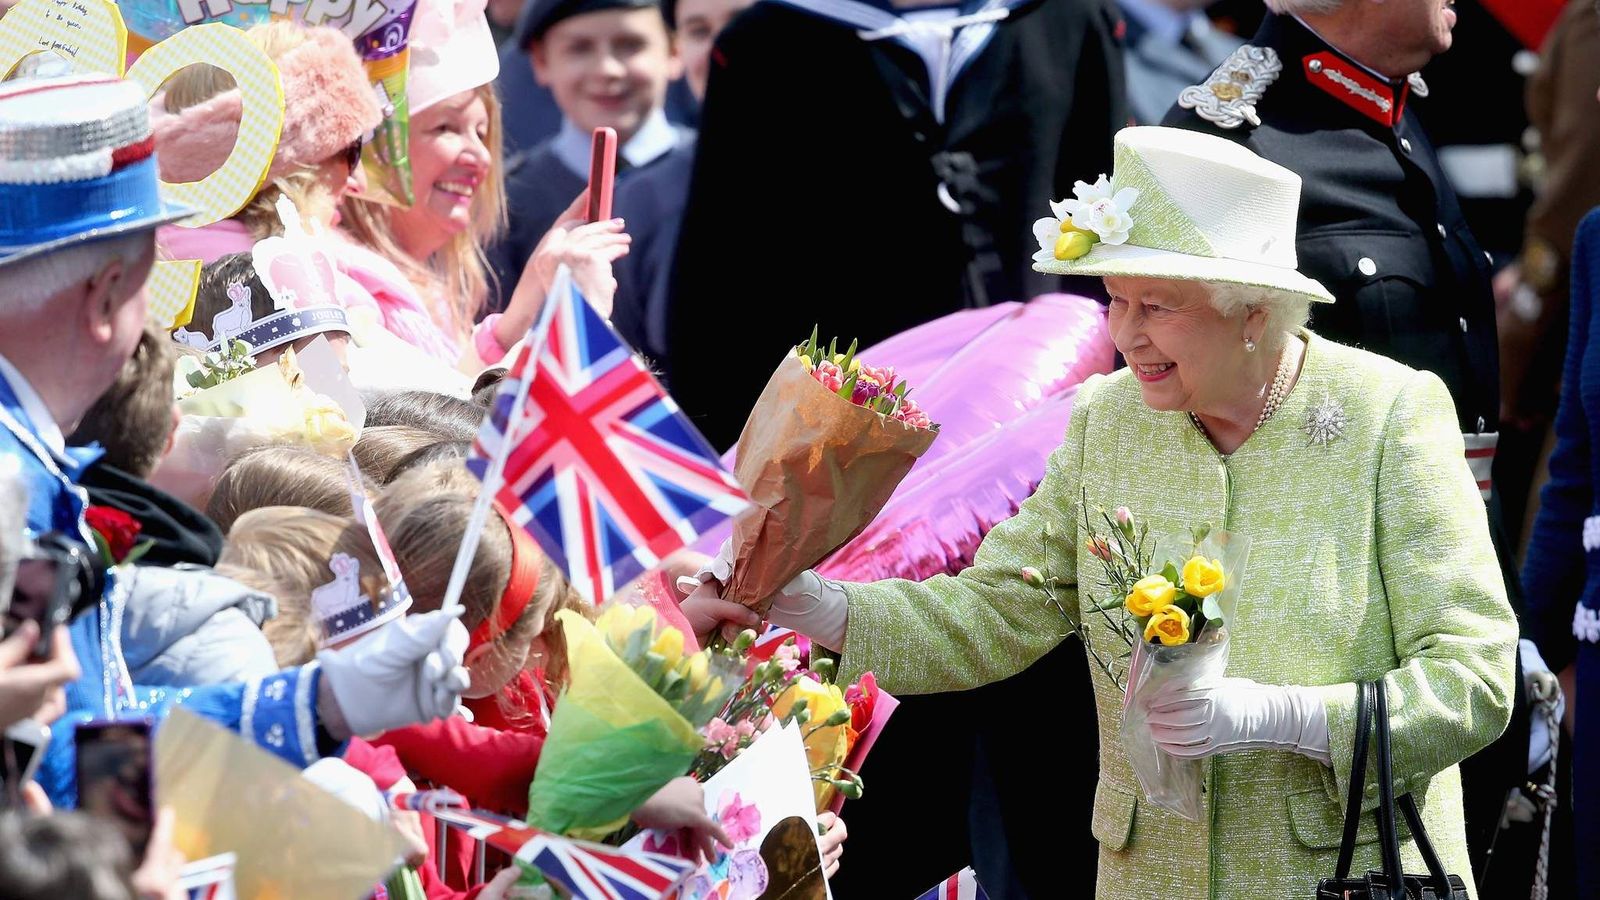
(1370, 554)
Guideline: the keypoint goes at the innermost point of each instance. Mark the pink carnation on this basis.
(787, 657)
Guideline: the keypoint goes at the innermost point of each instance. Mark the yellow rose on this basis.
(1170, 625)
(669, 645)
(825, 747)
(1149, 594)
(1202, 577)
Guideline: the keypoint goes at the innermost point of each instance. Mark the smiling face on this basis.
(450, 160)
(1186, 355)
(608, 68)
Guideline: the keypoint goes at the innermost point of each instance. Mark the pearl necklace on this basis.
(1275, 396)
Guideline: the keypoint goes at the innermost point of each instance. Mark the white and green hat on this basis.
(1181, 205)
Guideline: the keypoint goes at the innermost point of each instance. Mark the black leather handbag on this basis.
(1390, 883)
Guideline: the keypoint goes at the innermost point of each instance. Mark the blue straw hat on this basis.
(77, 164)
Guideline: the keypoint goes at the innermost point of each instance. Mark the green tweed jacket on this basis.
(1370, 557)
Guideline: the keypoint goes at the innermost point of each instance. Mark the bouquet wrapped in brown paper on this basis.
(825, 447)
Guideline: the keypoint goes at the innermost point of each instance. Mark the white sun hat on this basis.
(1181, 205)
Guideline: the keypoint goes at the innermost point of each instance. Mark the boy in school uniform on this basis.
(607, 63)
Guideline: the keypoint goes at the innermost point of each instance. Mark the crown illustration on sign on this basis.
(300, 278)
(341, 608)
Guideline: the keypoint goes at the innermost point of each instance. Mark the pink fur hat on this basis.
(328, 103)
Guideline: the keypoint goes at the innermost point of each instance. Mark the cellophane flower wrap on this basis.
(1157, 615)
(627, 723)
(824, 448)
(1169, 782)
(786, 684)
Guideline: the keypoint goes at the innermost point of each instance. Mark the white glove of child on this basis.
(1221, 715)
(810, 604)
(406, 672)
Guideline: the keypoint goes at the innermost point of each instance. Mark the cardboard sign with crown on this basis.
(342, 609)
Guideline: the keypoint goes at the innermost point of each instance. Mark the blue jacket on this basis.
(1561, 574)
(276, 711)
(1561, 577)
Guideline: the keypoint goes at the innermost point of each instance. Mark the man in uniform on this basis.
(1324, 89)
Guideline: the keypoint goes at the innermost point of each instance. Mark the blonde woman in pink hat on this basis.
(458, 177)
(329, 107)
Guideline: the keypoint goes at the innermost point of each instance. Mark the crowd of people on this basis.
(1314, 348)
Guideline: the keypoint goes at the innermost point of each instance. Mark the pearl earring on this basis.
(1249, 346)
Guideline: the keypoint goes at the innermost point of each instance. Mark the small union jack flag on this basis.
(601, 467)
(963, 885)
(586, 871)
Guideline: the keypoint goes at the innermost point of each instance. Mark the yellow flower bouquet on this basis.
(627, 723)
(1177, 594)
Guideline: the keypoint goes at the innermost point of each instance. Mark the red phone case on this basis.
(602, 173)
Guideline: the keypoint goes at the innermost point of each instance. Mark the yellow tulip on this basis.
(669, 645)
(1170, 625)
(697, 669)
(1073, 245)
(616, 623)
(1149, 594)
(643, 617)
(1202, 578)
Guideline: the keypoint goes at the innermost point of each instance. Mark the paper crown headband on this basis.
(340, 607)
(298, 275)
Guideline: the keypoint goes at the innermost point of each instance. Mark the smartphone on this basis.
(20, 751)
(40, 595)
(114, 777)
(602, 173)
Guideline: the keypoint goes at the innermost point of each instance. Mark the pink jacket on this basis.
(366, 281)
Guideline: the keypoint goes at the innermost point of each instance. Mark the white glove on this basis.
(406, 672)
(1221, 715)
(810, 604)
(1542, 685)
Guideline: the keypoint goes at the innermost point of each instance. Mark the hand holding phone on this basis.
(114, 777)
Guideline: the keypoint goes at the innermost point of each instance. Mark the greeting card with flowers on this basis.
(763, 799)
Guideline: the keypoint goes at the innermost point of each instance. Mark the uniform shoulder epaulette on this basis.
(1228, 98)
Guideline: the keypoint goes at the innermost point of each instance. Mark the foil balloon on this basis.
(1000, 382)
(941, 512)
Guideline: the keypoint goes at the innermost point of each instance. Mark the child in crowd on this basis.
(280, 476)
(449, 417)
(608, 63)
(133, 422)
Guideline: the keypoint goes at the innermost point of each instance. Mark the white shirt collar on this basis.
(43, 422)
(654, 139)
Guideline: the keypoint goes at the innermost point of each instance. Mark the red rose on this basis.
(118, 529)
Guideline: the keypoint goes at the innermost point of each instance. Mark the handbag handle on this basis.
(1358, 781)
(1407, 805)
(1388, 837)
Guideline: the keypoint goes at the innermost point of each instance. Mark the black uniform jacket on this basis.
(1379, 225)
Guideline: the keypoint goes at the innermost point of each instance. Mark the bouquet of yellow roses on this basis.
(1166, 621)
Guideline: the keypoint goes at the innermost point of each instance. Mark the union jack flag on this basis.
(601, 466)
(963, 885)
(586, 871)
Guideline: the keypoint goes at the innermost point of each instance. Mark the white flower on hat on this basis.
(1099, 210)
(1046, 231)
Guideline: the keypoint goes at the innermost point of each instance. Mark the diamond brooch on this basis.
(1324, 423)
